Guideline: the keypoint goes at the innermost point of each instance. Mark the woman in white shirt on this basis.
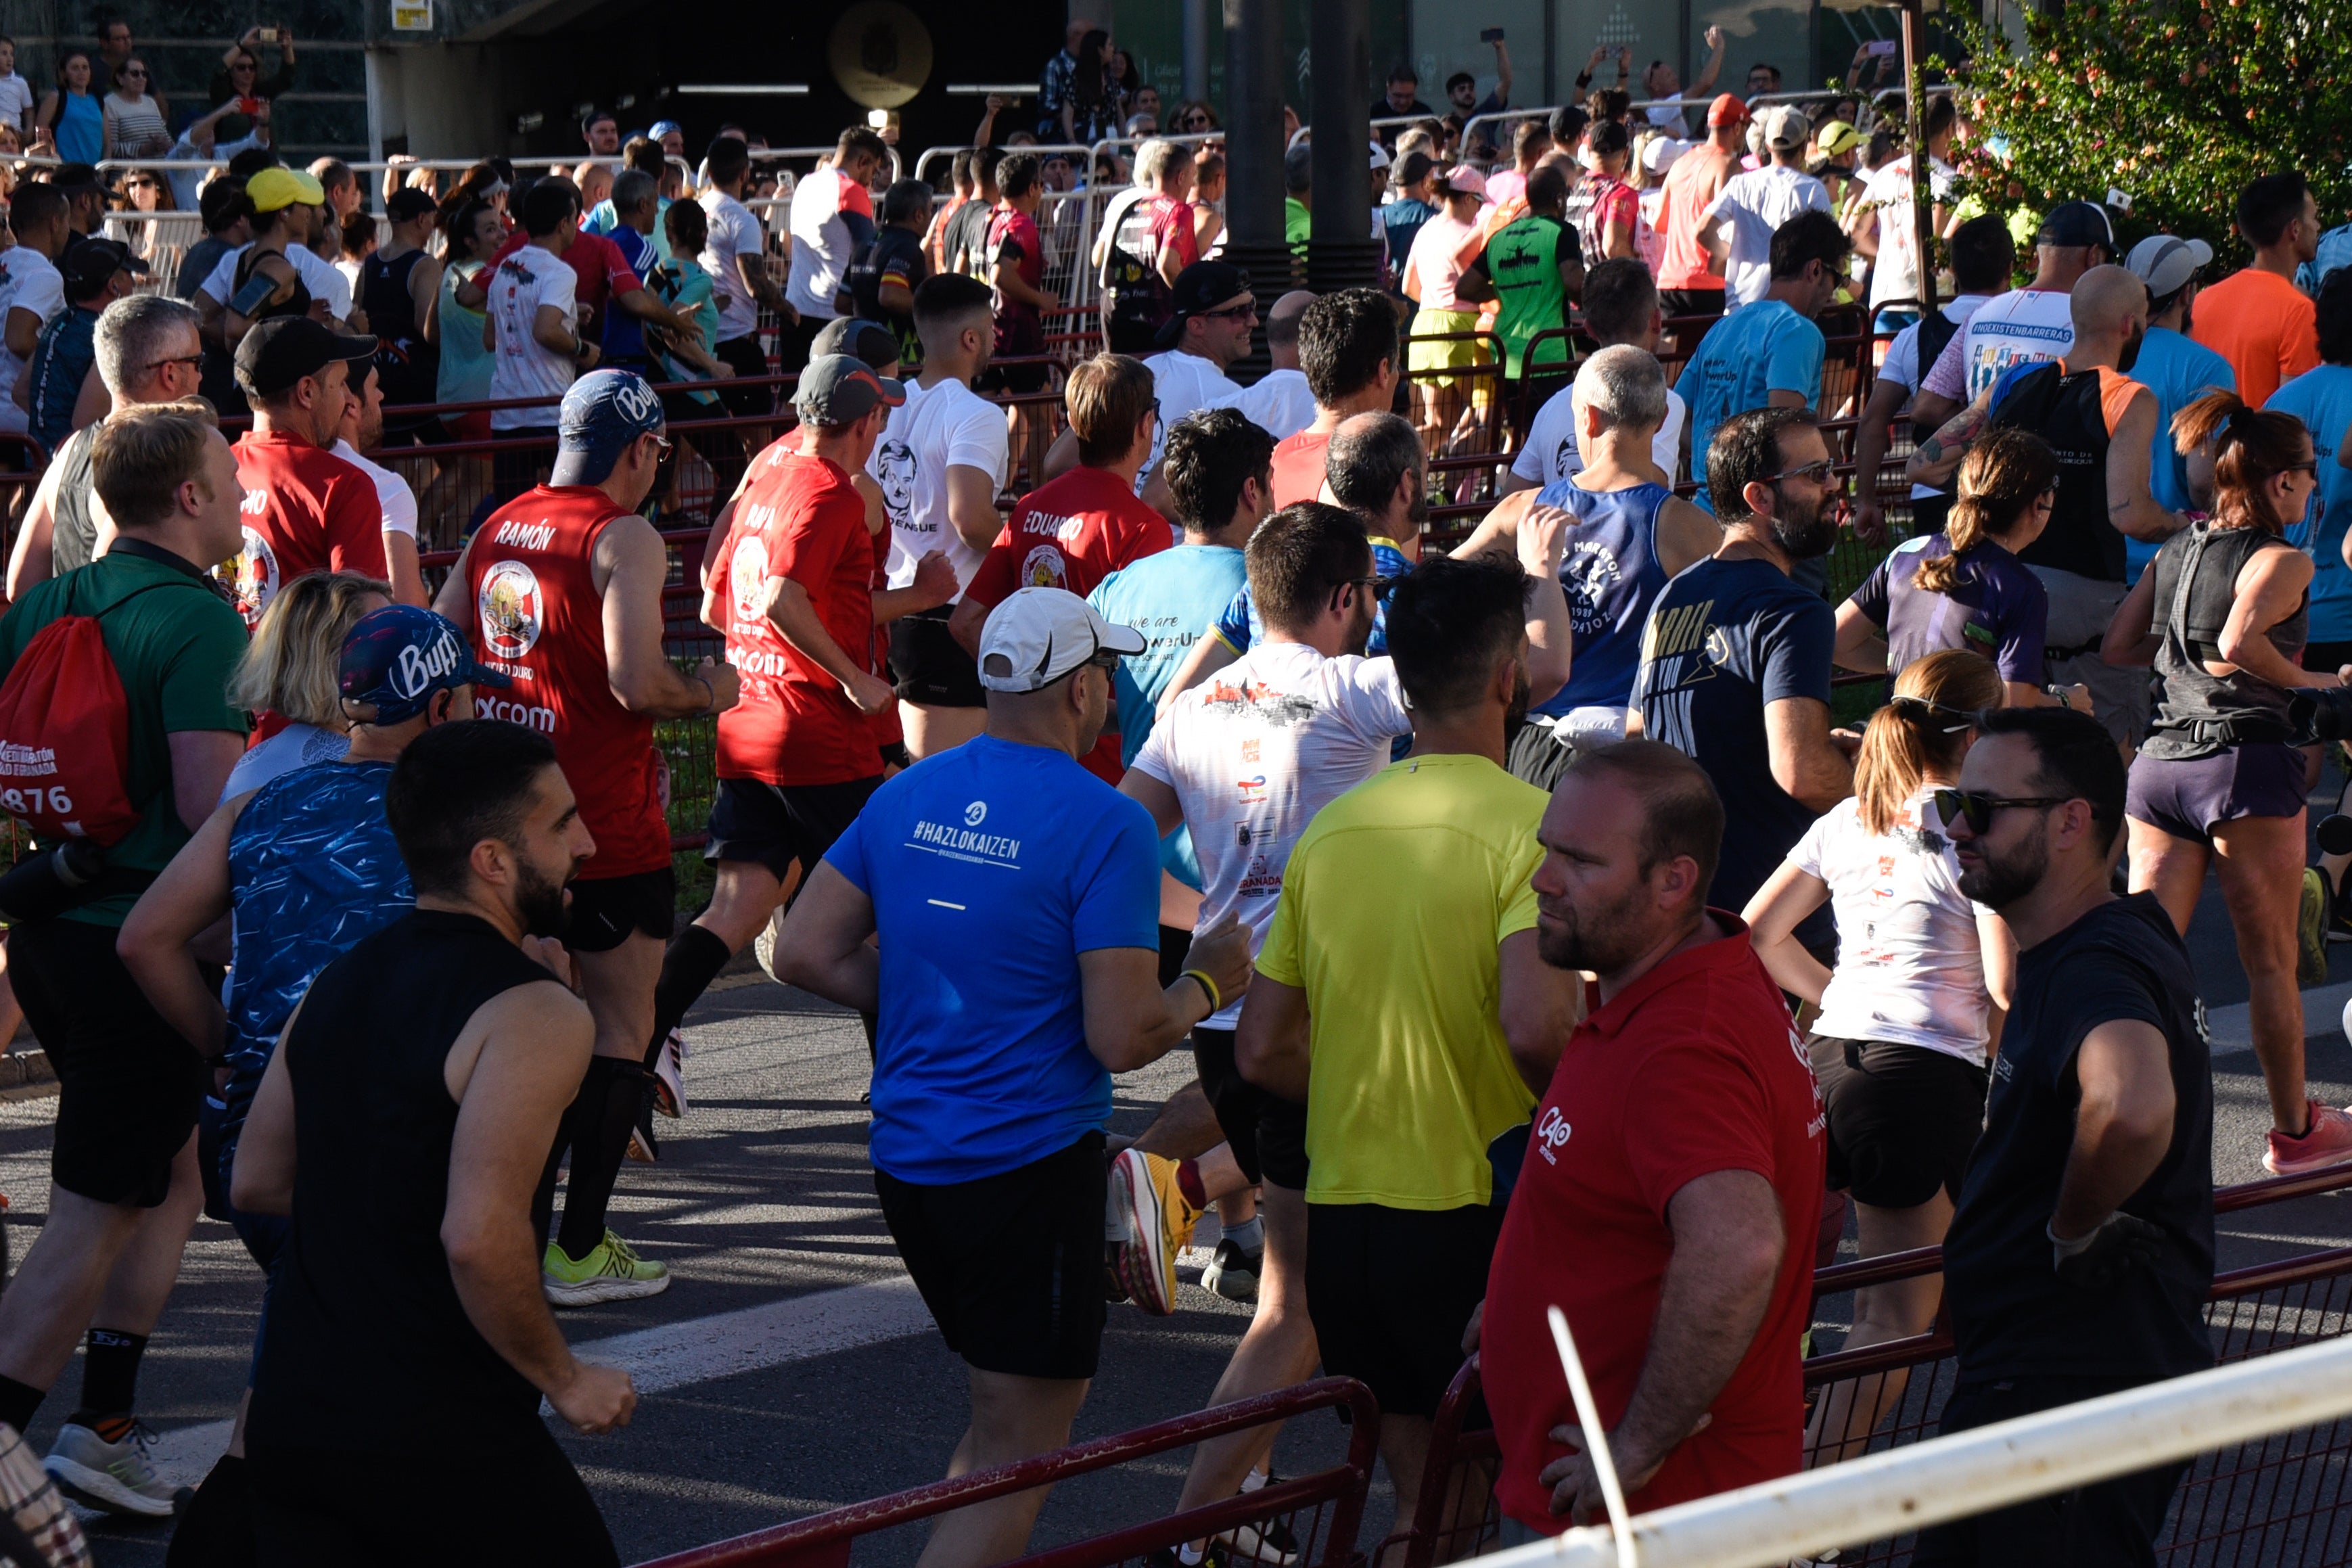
(1907, 1021)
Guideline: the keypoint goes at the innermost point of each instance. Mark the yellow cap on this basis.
(1836, 136)
(274, 188)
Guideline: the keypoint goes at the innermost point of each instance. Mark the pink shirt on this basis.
(1435, 264)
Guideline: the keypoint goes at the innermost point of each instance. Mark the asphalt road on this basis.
(789, 1368)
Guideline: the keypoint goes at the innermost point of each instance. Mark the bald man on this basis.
(2102, 424)
(1282, 403)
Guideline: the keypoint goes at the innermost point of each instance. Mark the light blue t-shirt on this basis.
(992, 866)
(2322, 399)
(1751, 353)
(2179, 370)
(602, 219)
(1168, 597)
(2335, 251)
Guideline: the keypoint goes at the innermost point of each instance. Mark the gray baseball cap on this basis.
(836, 390)
(2165, 263)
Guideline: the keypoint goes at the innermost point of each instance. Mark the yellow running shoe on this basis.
(2311, 931)
(611, 1272)
(1158, 1220)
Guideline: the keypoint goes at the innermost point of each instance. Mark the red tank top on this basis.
(539, 618)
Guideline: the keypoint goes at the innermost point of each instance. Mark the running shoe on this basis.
(1159, 1221)
(2311, 930)
(611, 1272)
(764, 946)
(669, 1076)
(2327, 1142)
(117, 1477)
(1266, 1541)
(1232, 1273)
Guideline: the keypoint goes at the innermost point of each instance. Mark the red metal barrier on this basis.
(2277, 1500)
(1322, 1512)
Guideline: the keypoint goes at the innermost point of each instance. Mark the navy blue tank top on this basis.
(1612, 574)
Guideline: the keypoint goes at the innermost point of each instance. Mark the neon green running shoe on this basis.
(611, 1272)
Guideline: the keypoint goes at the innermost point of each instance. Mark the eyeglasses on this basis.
(1955, 804)
(1819, 473)
(2311, 467)
(193, 361)
(1247, 307)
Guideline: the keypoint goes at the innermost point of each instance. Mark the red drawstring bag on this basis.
(65, 737)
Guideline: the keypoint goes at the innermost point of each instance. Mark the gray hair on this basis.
(1151, 160)
(133, 332)
(1369, 455)
(1626, 385)
(631, 188)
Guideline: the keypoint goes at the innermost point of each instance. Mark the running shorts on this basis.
(930, 666)
(776, 824)
(1391, 1290)
(1902, 1118)
(607, 910)
(1267, 1132)
(2188, 797)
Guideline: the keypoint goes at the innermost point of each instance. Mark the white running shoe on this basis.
(117, 1477)
(669, 1076)
(764, 946)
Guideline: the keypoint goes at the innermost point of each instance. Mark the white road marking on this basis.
(2323, 1012)
(673, 1355)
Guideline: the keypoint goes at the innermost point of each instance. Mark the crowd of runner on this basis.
(1526, 909)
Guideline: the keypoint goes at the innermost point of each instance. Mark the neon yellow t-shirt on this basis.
(1393, 905)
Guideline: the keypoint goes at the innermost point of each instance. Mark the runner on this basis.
(1629, 535)
(2024, 326)
(1005, 1003)
(1282, 403)
(363, 426)
(1348, 352)
(1407, 1089)
(148, 351)
(1620, 307)
(940, 463)
(1903, 1030)
(305, 509)
(2222, 613)
(124, 1188)
(303, 867)
(403, 1141)
(797, 757)
(562, 589)
(1074, 531)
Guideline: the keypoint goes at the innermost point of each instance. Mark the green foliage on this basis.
(2177, 103)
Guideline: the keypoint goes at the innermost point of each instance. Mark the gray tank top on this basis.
(2200, 712)
(73, 532)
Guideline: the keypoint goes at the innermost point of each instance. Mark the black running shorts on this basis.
(1903, 1119)
(1012, 1264)
(930, 666)
(1404, 1342)
(129, 1085)
(1267, 1132)
(607, 911)
(1675, 302)
(776, 824)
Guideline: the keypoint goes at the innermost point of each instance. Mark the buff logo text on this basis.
(419, 668)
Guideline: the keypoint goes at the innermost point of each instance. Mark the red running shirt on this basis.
(305, 511)
(1298, 467)
(539, 617)
(1072, 533)
(1692, 1069)
(799, 518)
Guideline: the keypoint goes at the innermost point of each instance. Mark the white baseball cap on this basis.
(1040, 634)
(1786, 127)
(2165, 263)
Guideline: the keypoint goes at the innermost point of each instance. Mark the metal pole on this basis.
(1923, 199)
(1196, 50)
(1898, 1490)
(1343, 254)
(1253, 148)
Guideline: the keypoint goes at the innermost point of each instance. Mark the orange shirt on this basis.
(2263, 325)
(1692, 185)
(1298, 468)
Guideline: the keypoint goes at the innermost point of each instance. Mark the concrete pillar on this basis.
(1253, 148)
(1343, 253)
(1198, 36)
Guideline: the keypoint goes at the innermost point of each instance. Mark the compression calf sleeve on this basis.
(695, 956)
(602, 1119)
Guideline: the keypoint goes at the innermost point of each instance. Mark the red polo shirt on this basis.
(1694, 1068)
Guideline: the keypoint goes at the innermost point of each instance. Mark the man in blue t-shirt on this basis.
(1736, 658)
(1767, 354)
(2322, 399)
(1015, 895)
(2173, 365)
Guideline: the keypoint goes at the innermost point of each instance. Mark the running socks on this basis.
(695, 956)
(599, 1122)
(1249, 1236)
(1187, 1181)
(109, 1381)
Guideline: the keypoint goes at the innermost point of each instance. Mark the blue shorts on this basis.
(2188, 797)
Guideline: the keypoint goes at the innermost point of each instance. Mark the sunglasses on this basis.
(1105, 662)
(1247, 310)
(1821, 473)
(193, 361)
(2311, 467)
(130, 71)
(1976, 810)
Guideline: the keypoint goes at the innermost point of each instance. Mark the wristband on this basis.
(2065, 1248)
(709, 695)
(1216, 997)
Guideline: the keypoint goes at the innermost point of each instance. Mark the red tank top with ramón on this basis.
(539, 618)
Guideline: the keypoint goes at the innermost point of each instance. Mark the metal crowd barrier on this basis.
(1321, 1511)
(2276, 1501)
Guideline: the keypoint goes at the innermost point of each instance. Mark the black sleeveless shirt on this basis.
(2067, 412)
(2200, 713)
(365, 1346)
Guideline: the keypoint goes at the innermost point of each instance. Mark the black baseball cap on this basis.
(1203, 287)
(859, 339)
(277, 352)
(2077, 222)
(408, 204)
(88, 264)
